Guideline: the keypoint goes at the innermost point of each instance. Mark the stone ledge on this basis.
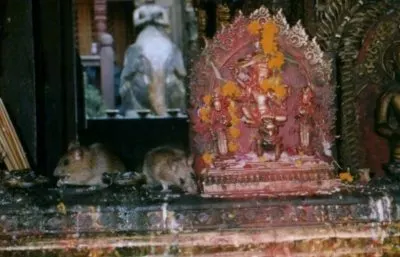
(126, 212)
(299, 241)
(121, 218)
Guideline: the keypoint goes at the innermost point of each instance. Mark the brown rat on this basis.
(169, 166)
(83, 165)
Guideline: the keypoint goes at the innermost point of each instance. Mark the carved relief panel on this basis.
(362, 34)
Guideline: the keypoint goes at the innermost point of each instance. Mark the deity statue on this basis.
(220, 121)
(269, 136)
(305, 118)
(250, 73)
(388, 114)
(153, 73)
(268, 116)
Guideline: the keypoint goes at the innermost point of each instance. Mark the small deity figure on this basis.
(250, 73)
(220, 121)
(388, 110)
(305, 118)
(269, 136)
(267, 120)
(274, 106)
(247, 79)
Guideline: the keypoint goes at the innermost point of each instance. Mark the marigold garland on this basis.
(207, 99)
(234, 132)
(268, 42)
(230, 89)
(235, 120)
(268, 38)
(254, 27)
(270, 29)
(276, 61)
(275, 84)
(204, 114)
(233, 147)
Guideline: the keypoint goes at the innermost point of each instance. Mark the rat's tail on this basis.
(139, 179)
(157, 93)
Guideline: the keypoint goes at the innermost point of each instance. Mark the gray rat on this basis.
(82, 165)
(169, 166)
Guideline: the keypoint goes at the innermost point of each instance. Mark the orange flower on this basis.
(234, 132)
(276, 61)
(230, 89)
(346, 176)
(270, 29)
(204, 114)
(269, 45)
(268, 39)
(208, 158)
(267, 84)
(254, 27)
(280, 91)
(274, 83)
(232, 147)
(207, 99)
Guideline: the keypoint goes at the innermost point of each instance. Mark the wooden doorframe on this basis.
(39, 83)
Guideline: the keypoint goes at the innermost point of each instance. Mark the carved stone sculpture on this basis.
(261, 67)
(305, 117)
(220, 120)
(153, 73)
(388, 110)
(358, 34)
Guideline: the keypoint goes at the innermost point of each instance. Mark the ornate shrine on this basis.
(263, 110)
(276, 106)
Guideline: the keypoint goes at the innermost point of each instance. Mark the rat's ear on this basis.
(73, 144)
(78, 154)
(190, 160)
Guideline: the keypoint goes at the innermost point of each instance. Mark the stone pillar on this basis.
(107, 69)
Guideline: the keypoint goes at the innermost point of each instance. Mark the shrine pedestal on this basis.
(233, 183)
(299, 176)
